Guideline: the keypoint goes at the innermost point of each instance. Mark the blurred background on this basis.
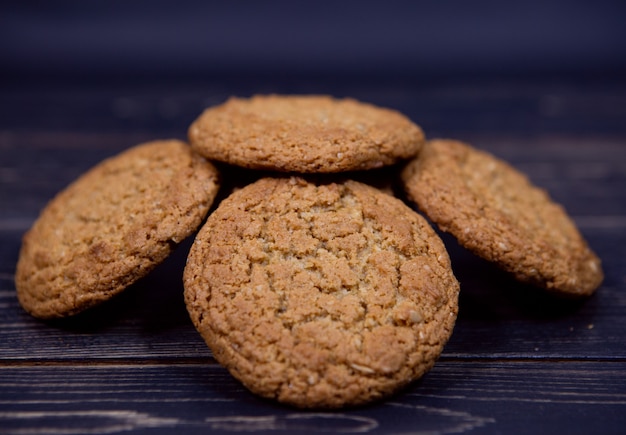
(124, 39)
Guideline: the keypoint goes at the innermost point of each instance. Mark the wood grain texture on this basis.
(519, 361)
(455, 397)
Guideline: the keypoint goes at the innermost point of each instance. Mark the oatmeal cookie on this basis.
(112, 226)
(306, 134)
(320, 295)
(495, 211)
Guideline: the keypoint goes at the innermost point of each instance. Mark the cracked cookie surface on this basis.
(111, 226)
(306, 134)
(320, 294)
(495, 211)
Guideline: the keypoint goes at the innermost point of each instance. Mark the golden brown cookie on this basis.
(320, 295)
(308, 134)
(112, 226)
(496, 212)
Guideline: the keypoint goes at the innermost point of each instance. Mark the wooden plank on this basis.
(586, 175)
(455, 397)
(522, 108)
(498, 317)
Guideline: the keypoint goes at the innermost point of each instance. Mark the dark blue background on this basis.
(393, 38)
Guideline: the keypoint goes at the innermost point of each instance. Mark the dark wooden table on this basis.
(519, 361)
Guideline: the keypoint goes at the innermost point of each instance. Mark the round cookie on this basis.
(495, 211)
(320, 295)
(111, 226)
(306, 134)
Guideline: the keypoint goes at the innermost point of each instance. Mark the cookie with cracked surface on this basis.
(111, 226)
(495, 211)
(304, 133)
(320, 295)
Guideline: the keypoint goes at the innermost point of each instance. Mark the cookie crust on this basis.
(495, 211)
(320, 295)
(306, 134)
(112, 226)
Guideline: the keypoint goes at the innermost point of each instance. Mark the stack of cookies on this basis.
(311, 287)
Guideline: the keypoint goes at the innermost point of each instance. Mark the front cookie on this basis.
(306, 134)
(112, 226)
(320, 295)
